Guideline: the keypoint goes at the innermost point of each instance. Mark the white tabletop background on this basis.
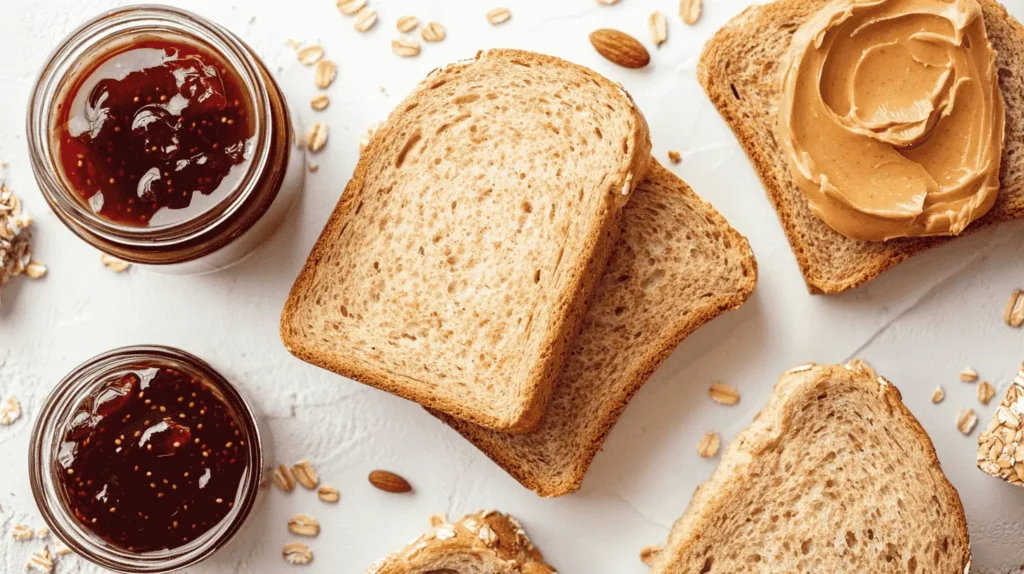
(918, 325)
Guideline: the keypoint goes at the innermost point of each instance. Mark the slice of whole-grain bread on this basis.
(739, 70)
(487, 542)
(459, 260)
(834, 475)
(676, 265)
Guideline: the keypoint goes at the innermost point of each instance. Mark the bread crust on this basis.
(527, 406)
(793, 391)
(564, 464)
(743, 85)
(490, 540)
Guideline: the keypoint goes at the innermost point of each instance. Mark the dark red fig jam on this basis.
(155, 132)
(152, 459)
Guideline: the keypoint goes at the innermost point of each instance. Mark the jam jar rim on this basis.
(58, 73)
(62, 400)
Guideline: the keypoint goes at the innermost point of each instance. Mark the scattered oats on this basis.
(310, 55)
(438, 519)
(324, 73)
(689, 10)
(297, 553)
(303, 525)
(283, 478)
(659, 31)
(864, 367)
(487, 535)
(405, 46)
(985, 392)
(649, 553)
(432, 32)
(35, 269)
(10, 411)
(674, 156)
(40, 560)
(350, 7)
(966, 420)
(1013, 313)
(968, 375)
(294, 45)
(60, 549)
(723, 394)
(499, 15)
(607, 2)
(365, 19)
(367, 136)
(407, 24)
(42, 532)
(800, 368)
(938, 394)
(319, 102)
(21, 533)
(113, 263)
(445, 532)
(709, 445)
(313, 167)
(305, 474)
(317, 137)
(328, 493)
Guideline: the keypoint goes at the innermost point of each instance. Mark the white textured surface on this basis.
(918, 325)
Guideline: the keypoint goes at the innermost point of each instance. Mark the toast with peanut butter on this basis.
(740, 70)
(834, 475)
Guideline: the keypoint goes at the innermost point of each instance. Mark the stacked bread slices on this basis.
(466, 266)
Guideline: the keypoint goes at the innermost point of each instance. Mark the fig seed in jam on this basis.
(155, 133)
(152, 459)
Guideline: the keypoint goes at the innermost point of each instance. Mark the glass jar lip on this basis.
(61, 402)
(57, 74)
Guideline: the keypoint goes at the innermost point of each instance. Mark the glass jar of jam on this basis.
(162, 139)
(145, 459)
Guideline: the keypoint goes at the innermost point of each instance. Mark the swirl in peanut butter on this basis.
(891, 116)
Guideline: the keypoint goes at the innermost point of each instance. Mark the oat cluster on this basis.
(15, 240)
(1000, 452)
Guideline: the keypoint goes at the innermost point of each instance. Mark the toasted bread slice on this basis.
(487, 542)
(459, 260)
(739, 70)
(834, 475)
(676, 265)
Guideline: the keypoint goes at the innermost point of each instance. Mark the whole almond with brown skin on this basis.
(389, 482)
(620, 48)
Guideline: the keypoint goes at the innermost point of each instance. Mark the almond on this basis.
(620, 48)
(389, 482)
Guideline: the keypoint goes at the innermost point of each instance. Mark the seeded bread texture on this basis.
(459, 260)
(834, 475)
(487, 542)
(677, 265)
(739, 70)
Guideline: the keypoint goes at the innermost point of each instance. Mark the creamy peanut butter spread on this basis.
(891, 116)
